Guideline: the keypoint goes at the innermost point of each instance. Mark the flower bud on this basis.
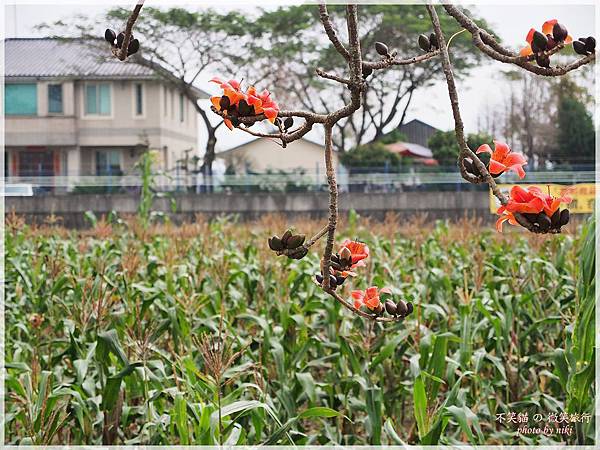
(288, 123)
(409, 308)
(390, 307)
(346, 257)
(542, 60)
(559, 32)
(133, 47)
(551, 42)
(433, 40)
(366, 72)
(555, 219)
(424, 42)
(564, 217)
(224, 102)
(286, 236)
(295, 241)
(401, 308)
(381, 48)
(539, 42)
(580, 47)
(590, 44)
(378, 309)
(110, 36)
(275, 244)
(544, 221)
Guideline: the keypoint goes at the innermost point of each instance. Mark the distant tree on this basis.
(444, 147)
(393, 136)
(576, 135)
(373, 155)
(288, 46)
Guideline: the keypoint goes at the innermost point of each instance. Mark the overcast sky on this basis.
(484, 86)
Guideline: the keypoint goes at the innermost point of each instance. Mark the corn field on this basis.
(197, 334)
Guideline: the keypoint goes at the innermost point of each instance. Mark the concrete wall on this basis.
(436, 204)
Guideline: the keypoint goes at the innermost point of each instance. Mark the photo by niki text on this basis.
(552, 423)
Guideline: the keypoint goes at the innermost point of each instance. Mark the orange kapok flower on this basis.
(503, 159)
(262, 103)
(547, 29)
(551, 203)
(235, 102)
(369, 297)
(358, 250)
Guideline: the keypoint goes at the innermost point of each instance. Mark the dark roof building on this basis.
(417, 132)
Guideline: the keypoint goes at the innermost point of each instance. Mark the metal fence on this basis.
(280, 182)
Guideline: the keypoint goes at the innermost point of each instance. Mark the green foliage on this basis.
(371, 155)
(392, 137)
(445, 148)
(122, 307)
(576, 135)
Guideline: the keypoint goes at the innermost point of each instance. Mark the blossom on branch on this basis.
(552, 34)
(503, 159)
(540, 209)
(236, 103)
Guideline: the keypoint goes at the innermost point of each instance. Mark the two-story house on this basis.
(71, 109)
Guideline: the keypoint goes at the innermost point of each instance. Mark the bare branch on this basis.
(488, 45)
(122, 52)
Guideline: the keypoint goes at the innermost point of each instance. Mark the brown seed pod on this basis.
(424, 43)
(300, 253)
(590, 44)
(381, 48)
(390, 307)
(133, 47)
(580, 47)
(286, 236)
(366, 72)
(401, 308)
(275, 243)
(559, 32)
(565, 215)
(288, 123)
(224, 102)
(110, 36)
(544, 221)
(539, 42)
(433, 40)
(295, 241)
(542, 60)
(346, 257)
(378, 310)
(555, 219)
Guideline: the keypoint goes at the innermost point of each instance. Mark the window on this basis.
(139, 100)
(20, 99)
(108, 162)
(97, 99)
(181, 108)
(55, 98)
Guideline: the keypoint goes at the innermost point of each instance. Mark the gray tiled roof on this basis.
(48, 57)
